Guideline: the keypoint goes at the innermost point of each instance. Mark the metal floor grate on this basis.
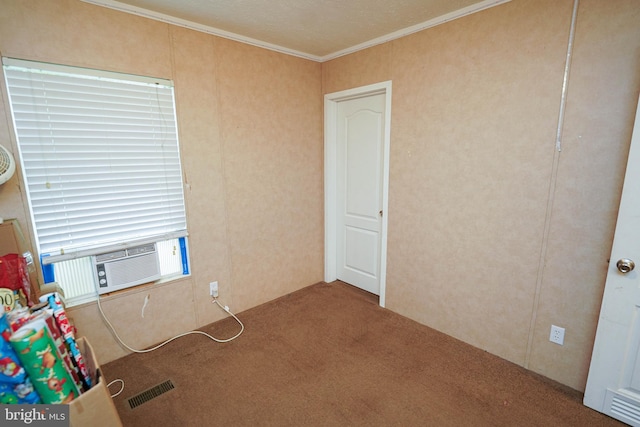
(150, 394)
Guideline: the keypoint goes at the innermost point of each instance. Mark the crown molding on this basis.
(157, 16)
(478, 7)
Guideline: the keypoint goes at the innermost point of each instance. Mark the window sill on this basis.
(90, 299)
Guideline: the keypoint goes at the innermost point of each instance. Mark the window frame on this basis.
(48, 259)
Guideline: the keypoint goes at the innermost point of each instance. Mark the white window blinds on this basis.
(100, 156)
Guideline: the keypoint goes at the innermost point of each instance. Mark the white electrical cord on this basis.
(121, 388)
(214, 301)
(113, 330)
(146, 301)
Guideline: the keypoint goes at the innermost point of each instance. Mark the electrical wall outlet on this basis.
(213, 289)
(557, 335)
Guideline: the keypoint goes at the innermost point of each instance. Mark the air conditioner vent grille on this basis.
(126, 268)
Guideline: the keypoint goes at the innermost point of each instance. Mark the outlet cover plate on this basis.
(557, 335)
(213, 289)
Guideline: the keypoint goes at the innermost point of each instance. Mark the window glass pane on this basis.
(170, 257)
(76, 279)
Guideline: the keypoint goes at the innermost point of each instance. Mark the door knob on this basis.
(625, 265)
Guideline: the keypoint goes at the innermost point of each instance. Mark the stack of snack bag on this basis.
(44, 348)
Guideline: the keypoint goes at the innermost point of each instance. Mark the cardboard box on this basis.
(12, 241)
(94, 407)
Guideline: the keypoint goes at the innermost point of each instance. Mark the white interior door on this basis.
(357, 140)
(613, 385)
(360, 143)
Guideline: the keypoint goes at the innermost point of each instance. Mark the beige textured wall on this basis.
(272, 143)
(603, 94)
(479, 247)
(250, 127)
(493, 235)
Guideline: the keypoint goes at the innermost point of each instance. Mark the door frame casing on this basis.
(331, 102)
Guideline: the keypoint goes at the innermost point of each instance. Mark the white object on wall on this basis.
(7, 166)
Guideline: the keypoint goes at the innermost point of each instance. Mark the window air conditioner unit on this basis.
(126, 268)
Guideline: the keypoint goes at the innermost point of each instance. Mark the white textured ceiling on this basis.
(316, 29)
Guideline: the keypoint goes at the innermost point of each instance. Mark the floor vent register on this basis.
(150, 394)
